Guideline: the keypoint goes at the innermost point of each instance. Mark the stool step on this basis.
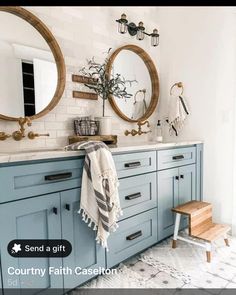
(193, 208)
(213, 232)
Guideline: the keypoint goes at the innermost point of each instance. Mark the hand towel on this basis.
(99, 203)
(178, 112)
(139, 109)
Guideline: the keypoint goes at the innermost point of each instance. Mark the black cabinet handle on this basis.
(182, 176)
(67, 207)
(133, 164)
(60, 176)
(134, 236)
(133, 196)
(179, 157)
(177, 177)
(54, 210)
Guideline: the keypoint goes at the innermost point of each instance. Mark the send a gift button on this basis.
(39, 248)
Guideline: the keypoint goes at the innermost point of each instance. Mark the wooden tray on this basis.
(107, 139)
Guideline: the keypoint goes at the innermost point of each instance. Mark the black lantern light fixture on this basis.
(139, 31)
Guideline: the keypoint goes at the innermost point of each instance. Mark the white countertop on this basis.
(38, 154)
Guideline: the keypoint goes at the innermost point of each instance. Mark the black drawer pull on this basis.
(133, 164)
(60, 176)
(133, 196)
(179, 157)
(134, 236)
(182, 176)
(54, 210)
(177, 177)
(67, 207)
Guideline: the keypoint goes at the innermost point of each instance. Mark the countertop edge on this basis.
(56, 154)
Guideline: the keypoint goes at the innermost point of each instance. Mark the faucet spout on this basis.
(134, 132)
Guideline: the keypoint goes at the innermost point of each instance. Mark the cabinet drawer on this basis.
(133, 235)
(135, 163)
(138, 194)
(176, 157)
(29, 180)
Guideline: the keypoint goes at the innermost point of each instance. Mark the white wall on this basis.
(198, 47)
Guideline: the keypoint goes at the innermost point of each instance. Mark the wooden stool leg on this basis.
(177, 222)
(174, 244)
(208, 252)
(226, 242)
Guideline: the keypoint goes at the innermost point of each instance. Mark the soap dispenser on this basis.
(159, 136)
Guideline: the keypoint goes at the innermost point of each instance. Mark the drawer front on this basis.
(133, 235)
(40, 178)
(138, 194)
(135, 163)
(176, 157)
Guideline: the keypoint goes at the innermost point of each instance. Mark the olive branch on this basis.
(103, 85)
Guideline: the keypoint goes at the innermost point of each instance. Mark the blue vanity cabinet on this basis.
(35, 218)
(86, 253)
(151, 183)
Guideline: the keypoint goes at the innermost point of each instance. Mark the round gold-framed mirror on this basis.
(134, 64)
(47, 57)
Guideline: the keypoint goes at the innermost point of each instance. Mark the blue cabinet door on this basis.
(86, 254)
(187, 184)
(30, 219)
(167, 186)
(187, 187)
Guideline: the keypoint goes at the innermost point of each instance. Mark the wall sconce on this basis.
(139, 31)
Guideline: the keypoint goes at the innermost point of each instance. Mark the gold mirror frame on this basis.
(56, 51)
(153, 77)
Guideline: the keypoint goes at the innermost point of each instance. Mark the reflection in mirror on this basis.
(131, 66)
(28, 73)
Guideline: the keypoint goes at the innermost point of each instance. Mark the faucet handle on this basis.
(32, 135)
(17, 135)
(4, 136)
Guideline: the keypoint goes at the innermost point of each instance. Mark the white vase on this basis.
(105, 125)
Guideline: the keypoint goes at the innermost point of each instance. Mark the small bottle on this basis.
(159, 136)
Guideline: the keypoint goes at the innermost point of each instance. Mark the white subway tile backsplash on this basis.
(48, 118)
(77, 110)
(55, 125)
(65, 133)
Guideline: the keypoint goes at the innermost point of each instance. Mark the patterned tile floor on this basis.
(184, 267)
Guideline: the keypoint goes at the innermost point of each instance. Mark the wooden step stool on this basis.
(200, 225)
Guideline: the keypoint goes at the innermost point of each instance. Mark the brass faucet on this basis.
(134, 132)
(19, 134)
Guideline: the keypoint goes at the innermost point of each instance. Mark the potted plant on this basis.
(105, 86)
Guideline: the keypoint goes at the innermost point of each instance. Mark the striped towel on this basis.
(99, 203)
(178, 112)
